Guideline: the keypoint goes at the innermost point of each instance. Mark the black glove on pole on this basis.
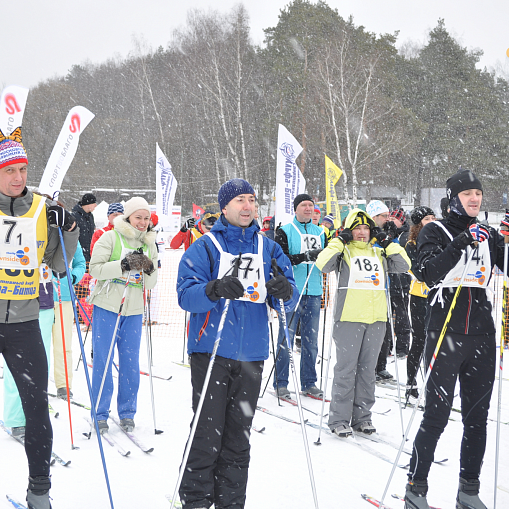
(279, 286)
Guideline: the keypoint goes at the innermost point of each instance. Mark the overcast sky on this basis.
(43, 39)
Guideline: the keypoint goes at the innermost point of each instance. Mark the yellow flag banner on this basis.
(332, 175)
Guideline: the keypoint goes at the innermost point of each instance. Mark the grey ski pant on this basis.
(353, 387)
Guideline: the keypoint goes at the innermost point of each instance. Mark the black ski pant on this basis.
(217, 467)
(23, 350)
(401, 320)
(472, 359)
(418, 315)
(381, 364)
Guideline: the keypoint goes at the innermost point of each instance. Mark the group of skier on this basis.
(227, 276)
(233, 268)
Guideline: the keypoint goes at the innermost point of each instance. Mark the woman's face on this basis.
(428, 219)
(140, 220)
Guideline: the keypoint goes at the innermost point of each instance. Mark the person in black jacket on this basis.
(82, 211)
(468, 350)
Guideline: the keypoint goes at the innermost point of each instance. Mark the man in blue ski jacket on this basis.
(217, 467)
(302, 241)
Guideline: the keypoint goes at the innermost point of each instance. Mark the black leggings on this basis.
(217, 467)
(418, 314)
(23, 350)
(473, 359)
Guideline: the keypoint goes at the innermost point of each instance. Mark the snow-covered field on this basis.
(278, 475)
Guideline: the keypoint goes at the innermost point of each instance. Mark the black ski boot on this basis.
(38, 492)
(468, 495)
(415, 496)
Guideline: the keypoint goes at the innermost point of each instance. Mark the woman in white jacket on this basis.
(127, 251)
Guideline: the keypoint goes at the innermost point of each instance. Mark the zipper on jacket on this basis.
(12, 206)
(7, 311)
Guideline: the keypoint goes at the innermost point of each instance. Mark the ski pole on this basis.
(113, 340)
(149, 357)
(87, 376)
(505, 312)
(187, 450)
(326, 301)
(331, 340)
(391, 321)
(185, 332)
(65, 357)
(428, 373)
(275, 272)
(291, 320)
(84, 342)
(269, 317)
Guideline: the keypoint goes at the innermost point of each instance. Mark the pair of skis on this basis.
(376, 502)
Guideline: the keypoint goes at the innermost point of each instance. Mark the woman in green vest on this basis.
(128, 252)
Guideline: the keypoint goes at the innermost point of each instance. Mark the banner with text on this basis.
(12, 107)
(332, 175)
(166, 186)
(64, 150)
(289, 179)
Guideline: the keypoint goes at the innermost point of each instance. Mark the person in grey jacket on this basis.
(28, 237)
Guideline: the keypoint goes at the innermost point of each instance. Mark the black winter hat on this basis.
(300, 198)
(461, 181)
(419, 213)
(88, 199)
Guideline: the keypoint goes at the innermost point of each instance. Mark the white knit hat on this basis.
(134, 204)
(376, 207)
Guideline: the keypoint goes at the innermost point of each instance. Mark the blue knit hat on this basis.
(231, 189)
(115, 207)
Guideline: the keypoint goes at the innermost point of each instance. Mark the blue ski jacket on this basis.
(245, 336)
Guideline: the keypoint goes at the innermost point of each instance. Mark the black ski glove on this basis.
(391, 228)
(188, 225)
(383, 238)
(312, 255)
(58, 217)
(228, 287)
(279, 287)
(345, 236)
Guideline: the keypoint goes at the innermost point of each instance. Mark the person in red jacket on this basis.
(191, 231)
(114, 210)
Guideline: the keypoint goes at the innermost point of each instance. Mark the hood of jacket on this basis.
(130, 233)
(353, 214)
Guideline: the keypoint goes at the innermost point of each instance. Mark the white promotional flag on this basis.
(12, 107)
(64, 150)
(289, 179)
(166, 186)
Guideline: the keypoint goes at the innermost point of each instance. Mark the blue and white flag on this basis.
(166, 186)
(289, 179)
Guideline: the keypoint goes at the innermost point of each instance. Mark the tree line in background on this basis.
(213, 102)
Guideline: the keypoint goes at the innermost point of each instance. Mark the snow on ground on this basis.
(278, 475)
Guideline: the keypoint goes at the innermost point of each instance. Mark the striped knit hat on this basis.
(12, 150)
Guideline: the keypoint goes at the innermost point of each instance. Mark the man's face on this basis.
(361, 233)
(471, 199)
(111, 217)
(90, 207)
(381, 219)
(304, 211)
(13, 179)
(241, 210)
(316, 216)
(397, 222)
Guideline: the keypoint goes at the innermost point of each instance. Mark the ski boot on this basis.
(127, 425)
(415, 496)
(468, 495)
(38, 492)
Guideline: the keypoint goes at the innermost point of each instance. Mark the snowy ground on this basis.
(278, 476)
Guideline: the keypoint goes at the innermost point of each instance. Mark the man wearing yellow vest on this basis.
(26, 240)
